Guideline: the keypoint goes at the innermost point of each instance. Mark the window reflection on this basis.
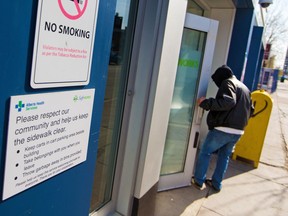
(113, 105)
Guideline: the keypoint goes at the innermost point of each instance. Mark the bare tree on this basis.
(276, 30)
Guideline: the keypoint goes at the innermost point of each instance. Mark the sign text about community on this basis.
(47, 134)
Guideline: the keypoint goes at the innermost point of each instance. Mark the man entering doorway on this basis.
(228, 115)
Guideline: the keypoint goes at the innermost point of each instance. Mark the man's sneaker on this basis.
(197, 185)
(209, 182)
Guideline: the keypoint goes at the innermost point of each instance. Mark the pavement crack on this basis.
(211, 210)
(284, 145)
(272, 165)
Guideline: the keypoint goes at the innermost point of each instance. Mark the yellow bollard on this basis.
(250, 144)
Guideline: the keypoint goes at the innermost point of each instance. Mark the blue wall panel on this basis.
(253, 57)
(275, 80)
(240, 40)
(69, 192)
(243, 3)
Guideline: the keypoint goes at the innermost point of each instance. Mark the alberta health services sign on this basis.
(47, 134)
(63, 45)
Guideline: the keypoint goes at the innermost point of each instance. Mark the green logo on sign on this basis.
(19, 106)
(75, 98)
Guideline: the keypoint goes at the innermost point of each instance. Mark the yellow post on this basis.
(250, 144)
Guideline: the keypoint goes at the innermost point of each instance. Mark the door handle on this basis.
(196, 140)
(130, 92)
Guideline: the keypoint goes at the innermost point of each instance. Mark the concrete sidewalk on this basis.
(246, 191)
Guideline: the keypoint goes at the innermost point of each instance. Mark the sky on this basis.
(122, 8)
(279, 48)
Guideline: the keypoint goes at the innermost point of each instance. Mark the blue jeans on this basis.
(215, 141)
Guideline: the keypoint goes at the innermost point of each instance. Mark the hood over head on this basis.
(222, 73)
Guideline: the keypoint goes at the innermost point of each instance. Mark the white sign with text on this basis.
(47, 134)
(63, 44)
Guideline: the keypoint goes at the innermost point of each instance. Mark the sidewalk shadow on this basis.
(188, 200)
(176, 201)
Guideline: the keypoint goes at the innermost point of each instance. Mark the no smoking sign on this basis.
(73, 9)
(63, 43)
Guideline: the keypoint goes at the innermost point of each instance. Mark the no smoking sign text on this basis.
(63, 43)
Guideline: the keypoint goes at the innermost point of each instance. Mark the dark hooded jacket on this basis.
(232, 105)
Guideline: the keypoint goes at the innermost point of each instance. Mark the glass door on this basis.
(183, 102)
(109, 146)
(185, 117)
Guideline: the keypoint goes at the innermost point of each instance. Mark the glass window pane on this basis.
(183, 102)
(113, 104)
(194, 8)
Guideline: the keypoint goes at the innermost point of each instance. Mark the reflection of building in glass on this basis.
(117, 41)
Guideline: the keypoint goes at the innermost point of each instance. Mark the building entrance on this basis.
(191, 82)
